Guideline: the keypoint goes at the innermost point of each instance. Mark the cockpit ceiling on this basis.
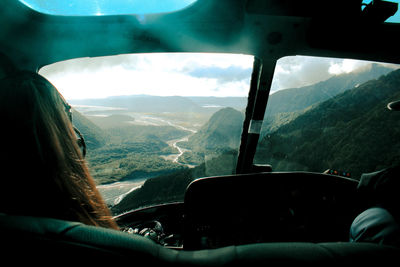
(266, 29)
(304, 8)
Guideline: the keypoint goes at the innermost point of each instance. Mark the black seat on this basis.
(41, 240)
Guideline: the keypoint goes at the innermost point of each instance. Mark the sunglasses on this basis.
(80, 140)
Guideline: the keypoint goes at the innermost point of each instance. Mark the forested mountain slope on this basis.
(353, 131)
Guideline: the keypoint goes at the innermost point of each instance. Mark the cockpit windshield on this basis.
(154, 122)
(327, 114)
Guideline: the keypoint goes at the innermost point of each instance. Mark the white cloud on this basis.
(299, 71)
(346, 66)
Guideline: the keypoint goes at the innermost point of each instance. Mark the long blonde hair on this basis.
(42, 169)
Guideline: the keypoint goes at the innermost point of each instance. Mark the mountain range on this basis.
(285, 105)
(156, 104)
(352, 131)
(297, 99)
(221, 131)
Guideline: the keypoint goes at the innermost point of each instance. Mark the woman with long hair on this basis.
(42, 169)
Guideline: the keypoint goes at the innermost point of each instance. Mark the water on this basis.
(113, 193)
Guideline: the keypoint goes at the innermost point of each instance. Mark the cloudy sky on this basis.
(184, 74)
(152, 74)
(298, 71)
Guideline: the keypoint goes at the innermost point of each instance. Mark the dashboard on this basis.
(251, 208)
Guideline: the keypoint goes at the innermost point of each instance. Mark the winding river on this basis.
(113, 193)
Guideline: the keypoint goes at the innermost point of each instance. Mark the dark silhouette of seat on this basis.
(43, 240)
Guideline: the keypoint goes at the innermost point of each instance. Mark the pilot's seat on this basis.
(40, 240)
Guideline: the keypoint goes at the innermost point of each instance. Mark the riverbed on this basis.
(113, 193)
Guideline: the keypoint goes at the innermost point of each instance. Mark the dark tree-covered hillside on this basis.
(353, 131)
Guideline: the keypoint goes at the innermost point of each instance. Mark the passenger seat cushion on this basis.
(375, 225)
(44, 240)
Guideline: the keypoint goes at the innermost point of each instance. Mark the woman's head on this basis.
(35, 119)
(40, 159)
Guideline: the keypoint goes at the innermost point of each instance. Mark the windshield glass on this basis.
(155, 122)
(327, 114)
(105, 7)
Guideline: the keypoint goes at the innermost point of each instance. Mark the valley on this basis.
(132, 147)
(140, 157)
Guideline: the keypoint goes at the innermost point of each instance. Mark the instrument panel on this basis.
(255, 208)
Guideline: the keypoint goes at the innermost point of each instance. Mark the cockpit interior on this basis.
(252, 152)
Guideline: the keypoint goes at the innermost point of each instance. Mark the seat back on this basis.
(43, 240)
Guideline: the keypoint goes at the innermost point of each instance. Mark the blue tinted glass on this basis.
(106, 7)
(394, 19)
